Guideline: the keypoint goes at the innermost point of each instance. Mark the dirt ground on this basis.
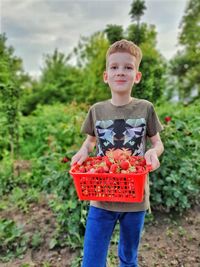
(172, 242)
(165, 242)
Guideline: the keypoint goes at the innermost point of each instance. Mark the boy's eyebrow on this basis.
(130, 64)
(126, 63)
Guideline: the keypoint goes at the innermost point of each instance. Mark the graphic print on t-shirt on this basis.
(121, 133)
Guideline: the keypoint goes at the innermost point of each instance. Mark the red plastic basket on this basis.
(113, 187)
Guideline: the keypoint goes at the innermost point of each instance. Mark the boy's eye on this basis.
(129, 67)
(113, 67)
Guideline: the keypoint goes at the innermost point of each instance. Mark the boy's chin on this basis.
(121, 90)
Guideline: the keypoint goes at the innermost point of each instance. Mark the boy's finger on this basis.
(74, 160)
(81, 160)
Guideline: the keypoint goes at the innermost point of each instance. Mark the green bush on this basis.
(51, 129)
(175, 185)
(50, 134)
(12, 240)
(53, 132)
(7, 181)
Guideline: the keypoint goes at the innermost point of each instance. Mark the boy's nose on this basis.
(120, 73)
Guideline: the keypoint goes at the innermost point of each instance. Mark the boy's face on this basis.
(121, 72)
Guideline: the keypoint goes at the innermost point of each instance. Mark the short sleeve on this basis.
(88, 124)
(153, 124)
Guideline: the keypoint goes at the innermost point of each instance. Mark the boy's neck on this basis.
(119, 100)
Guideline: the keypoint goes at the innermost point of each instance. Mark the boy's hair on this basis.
(126, 47)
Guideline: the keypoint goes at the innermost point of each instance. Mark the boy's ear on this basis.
(138, 77)
(105, 76)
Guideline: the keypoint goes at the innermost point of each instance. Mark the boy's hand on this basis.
(80, 156)
(152, 159)
(83, 153)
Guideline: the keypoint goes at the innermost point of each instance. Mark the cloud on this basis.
(167, 16)
(37, 27)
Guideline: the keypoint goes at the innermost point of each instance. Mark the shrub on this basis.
(175, 185)
(52, 133)
(12, 241)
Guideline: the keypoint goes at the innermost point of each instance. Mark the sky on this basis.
(36, 27)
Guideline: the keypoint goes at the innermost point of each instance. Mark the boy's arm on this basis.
(87, 147)
(154, 152)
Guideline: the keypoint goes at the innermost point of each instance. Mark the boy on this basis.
(122, 122)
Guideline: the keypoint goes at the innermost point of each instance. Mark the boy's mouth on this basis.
(120, 81)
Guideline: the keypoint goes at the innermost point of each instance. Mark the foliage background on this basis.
(41, 120)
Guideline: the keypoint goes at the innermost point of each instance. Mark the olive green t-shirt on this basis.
(126, 126)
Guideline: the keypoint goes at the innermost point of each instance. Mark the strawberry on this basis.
(108, 161)
(88, 168)
(122, 157)
(117, 153)
(124, 165)
(117, 161)
(114, 168)
(142, 162)
(106, 168)
(98, 161)
(100, 169)
(132, 161)
(65, 159)
(82, 169)
(139, 169)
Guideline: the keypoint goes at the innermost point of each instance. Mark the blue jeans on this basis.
(99, 229)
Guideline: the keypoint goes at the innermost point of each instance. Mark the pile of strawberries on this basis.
(115, 161)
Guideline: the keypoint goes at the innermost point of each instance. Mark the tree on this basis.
(145, 34)
(59, 78)
(59, 82)
(136, 12)
(190, 34)
(185, 65)
(114, 33)
(90, 55)
(153, 66)
(11, 77)
(11, 68)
